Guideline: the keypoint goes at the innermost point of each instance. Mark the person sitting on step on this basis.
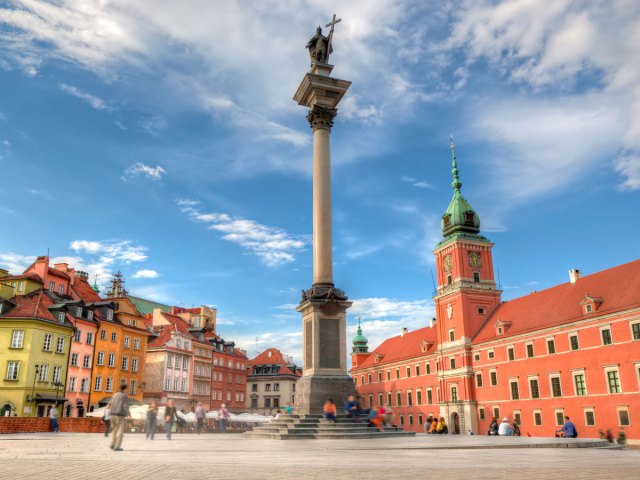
(442, 426)
(352, 408)
(329, 410)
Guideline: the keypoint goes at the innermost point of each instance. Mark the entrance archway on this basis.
(80, 408)
(455, 423)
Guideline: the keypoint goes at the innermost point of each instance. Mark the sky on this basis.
(160, 139)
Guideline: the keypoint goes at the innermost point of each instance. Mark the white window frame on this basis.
(558, 415)
(60, 345)
(48, 340)
(491, 384)
(602, 329)
(512, 381)
(17, 339)
(574, 374)
(551, 377)
(623, 409)
(631, 324)
(606, 379)
(546, 342)
(569, 336)
(526, 350)
(100, 360)
(537, 379)
(98, 384)
(538, 412)
(584, 414)
(13, 371)
(111, 360)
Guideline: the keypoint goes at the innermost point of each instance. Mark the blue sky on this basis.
(161, 139)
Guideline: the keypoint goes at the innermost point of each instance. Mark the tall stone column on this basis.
(323, 307)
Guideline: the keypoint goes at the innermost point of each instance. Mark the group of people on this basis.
(118, 411)
(435, 425)
(376, 417)
(504, 428)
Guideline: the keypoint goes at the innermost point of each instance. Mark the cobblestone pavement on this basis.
(80, 456)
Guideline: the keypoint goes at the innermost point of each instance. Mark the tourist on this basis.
(442, 427)
(387, 415)
(493, 427)
(170, 416)
(516, 429)
(53, 415)
(505, 429)
(434, 425)
(201, 415)
(427, 424)
(223, 417)
(277, 413)
(107, 420)
(288, 409)
(609, 435)
(119, 414)
(329, 410)
(152, 420)
(375, 420)
(568, 430)
(622, 438)
(352, 408)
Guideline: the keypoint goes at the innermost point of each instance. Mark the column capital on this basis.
(321, 117)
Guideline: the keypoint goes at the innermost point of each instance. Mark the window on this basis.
(511, 354)
(551, 346)
(496, 412)
(427, 368)
(98, 385)
(589, 418)
(74, 359)
(517, 418)
(136, 345)
(388, 398)
(493, 375)
(478, 379)
(44, 372)
(20, 286)
(635, 331)
(398, 399)
(452, 363)
(89, 338)
(559, 417)
(47, 342)
(276, 386)
(109, 314)
(581, 387)
(515, 393)
(490, 354)
(573, 342)
(388, 375)
(397, 373)
(429, 396)
(401, 419)
(537, 417)
(86, 361)
(13, 368)
(481, 310)
(177, 362)
(185, 363)
(452, 335)
(449, 280)
(254, 387)
(114, 336)
(534, 388)
(100, 358)
(556, 388)
(90, 315)
(17, 339)
(410, 419)
(623, 417)
(112, 360)
(61, 289)
(418, 397)
(125, 363)
(613, 381)
(606, 336)
(481, 413)
(476, 357)
(52, 286)
(529, 350)
(267, 387)
(409, 399)
(84, 385)
(476, 277)
(109, 386)
(127, 342)
(77, 336)
(61, 316)
(72, 384)
(79, 312)
(132, 387)
(103, 334)
(454, 393)
(60, 345)
(56, 373)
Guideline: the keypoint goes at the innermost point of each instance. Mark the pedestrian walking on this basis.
(119, 414)
(170, 416)
(223, 417)
(107, 420)
(53, 415)
(201, 415)
(152, 420)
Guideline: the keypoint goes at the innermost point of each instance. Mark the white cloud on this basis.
(95, 102)
(274, 246)
(151, 124)
(146, 274)
(628, 165)
(415, 182)
(140, 169)
(15, 263)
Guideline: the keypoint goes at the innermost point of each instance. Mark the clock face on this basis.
(474, 259)
(448, 263)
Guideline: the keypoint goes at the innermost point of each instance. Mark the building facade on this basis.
(570, 350)
(271, 382)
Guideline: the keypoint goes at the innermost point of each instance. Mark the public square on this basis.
(233, 456)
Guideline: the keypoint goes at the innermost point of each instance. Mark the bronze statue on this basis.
(319, 46)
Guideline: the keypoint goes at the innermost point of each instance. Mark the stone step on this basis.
(327, 436)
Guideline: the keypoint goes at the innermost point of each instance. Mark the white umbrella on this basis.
(98, 412)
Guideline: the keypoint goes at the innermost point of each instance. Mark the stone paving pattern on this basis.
(233, 456)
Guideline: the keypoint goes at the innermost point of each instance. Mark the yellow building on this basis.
(12, 285)
(35, 338)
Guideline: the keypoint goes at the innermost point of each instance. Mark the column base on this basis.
(312, 391)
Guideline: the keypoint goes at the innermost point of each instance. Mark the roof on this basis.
(85, 291)
(27, 276)
(273, 356)
(617, 287)
(145, 306)
(402, 347)
(58, 273)
(33, 305)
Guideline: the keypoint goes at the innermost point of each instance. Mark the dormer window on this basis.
(60, 316)
(52, 286)
(590, 304)
(79, 312)
(588, 308)
(61, 289)
(468, 217)
(501, 326)
(109, 314)
(90, 315)
(447, 220)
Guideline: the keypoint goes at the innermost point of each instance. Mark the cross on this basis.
(331, 24)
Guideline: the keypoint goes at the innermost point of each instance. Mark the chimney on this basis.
(79, 274)
(574, 275)
(432, 322)
(403, 331)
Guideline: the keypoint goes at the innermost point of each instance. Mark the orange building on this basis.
(570, 350)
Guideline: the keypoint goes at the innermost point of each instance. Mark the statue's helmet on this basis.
(319, 29)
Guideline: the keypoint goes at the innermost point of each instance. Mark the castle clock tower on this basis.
(465, 298)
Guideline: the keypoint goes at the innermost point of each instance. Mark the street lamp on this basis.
(58, 385)
(33, 389)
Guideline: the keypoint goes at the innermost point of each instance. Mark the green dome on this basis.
(459, 216)
(360, 341)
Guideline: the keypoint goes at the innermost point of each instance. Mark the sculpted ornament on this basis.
(321, 117)
(449, 311)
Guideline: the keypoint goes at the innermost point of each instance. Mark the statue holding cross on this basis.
(320, 47)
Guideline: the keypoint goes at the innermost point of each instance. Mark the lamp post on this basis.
(33, 389)
(58, 385)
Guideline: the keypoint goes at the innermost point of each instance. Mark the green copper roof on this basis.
(459, 216)
(360, 340)
(145, 306)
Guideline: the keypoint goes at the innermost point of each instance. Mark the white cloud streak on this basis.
(141, 170)
(146, 274)
(92, 100)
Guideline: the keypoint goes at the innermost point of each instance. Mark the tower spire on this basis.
(456, 184)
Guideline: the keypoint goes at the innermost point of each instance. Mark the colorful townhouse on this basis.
(569, 350)
(271, 382)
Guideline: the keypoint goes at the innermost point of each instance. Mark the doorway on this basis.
(455, 423)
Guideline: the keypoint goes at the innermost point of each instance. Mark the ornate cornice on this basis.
(321, 117)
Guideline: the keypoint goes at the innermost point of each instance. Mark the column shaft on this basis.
(322, 231)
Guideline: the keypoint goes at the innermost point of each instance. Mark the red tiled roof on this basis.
(32, 305)
(617, 287)
(276, 358)
(402, 347)
(58, 273)
(28, 276)
(85, 291)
